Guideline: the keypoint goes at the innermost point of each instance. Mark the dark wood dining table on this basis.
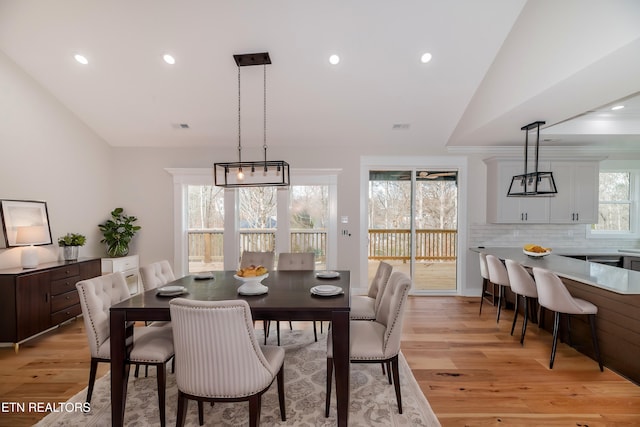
(288, 298)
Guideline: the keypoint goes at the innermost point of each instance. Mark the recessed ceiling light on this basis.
(426, 57)
(81, 59)
(334, 59)
(169, 59)
(617, 107)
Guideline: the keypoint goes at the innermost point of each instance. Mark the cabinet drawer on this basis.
(64, 285)
(65, 314)
(66, 271)
(62, 301)
(124, 264)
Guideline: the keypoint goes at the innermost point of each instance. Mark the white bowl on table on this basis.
(251, 285)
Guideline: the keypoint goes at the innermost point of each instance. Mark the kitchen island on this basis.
(616, 292)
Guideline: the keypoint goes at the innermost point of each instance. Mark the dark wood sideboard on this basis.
(34, 300)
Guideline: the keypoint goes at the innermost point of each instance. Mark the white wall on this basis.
(47, 154)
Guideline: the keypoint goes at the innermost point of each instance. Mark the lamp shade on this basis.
(32, 235)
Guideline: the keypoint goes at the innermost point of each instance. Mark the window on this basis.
(616, 211)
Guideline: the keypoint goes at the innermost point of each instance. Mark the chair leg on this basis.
(526, 318)
(515, 314)
(290, 326)
(182, 409)
(389, 372)
(328, 392)
(92, 378)
(315, 332)
(161, 373)
(594, 338)
(321, 327)
(283, 412)
(569, 330)
(396, 382)
(556, 326)
(484, 291)
(266, 330)
(200, 412)
(137, 371)
(384, 371)
(278, 331)
(500, 295)
(254, 410)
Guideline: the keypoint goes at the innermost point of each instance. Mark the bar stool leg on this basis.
(515, 314)
(594, 338)
(526, 317)
(500, 295)
(556, 326)
(484, 291)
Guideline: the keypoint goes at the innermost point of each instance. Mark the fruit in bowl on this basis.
(252, 271)
(535, 250)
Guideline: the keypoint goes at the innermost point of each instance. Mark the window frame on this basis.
(634, 197)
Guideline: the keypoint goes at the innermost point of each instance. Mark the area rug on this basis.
(373, 401)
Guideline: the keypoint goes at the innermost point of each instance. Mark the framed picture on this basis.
(31, 216)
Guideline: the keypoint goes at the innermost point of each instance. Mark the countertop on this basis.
(614, 279)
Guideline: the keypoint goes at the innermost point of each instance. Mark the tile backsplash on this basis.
(548, 235)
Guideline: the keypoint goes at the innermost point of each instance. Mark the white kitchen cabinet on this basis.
(510, 210)
(129, 266)
(577, 198)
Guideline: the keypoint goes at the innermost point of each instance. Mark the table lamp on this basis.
(30, 235)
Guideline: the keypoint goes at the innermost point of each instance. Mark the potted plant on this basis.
(118, 232)
(70, 243)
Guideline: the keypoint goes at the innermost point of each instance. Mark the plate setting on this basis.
(171, 291)
(326, 290)
(205, 275)
(327, 274)
(536, 254)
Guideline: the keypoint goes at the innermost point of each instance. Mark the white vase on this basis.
(70, 253)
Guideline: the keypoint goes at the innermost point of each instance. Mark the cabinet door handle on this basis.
(573, 217)
(526, 217)
(521, 217)
(577, 216)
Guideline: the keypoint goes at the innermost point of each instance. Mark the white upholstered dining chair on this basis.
(257, 258)
(377, 341)
(296, 261)
(151, 346)
(364, 307)
(484, 273)
(156, 274)
(218, 357)
(554, 295)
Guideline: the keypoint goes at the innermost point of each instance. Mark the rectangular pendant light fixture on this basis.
(536, 183)
(272, 173)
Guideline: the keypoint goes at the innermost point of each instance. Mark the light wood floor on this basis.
(471, 370)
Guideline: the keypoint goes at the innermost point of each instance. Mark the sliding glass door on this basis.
(413, 225)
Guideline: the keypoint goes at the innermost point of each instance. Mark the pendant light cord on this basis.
(239, 128)
(264, 130)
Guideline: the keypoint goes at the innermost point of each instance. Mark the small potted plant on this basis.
(70, 243)
(118, 232)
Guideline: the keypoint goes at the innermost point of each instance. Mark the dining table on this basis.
(289, 297)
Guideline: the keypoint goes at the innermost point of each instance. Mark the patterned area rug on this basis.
(373, 401)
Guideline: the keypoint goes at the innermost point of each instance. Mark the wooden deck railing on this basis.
(431, 245)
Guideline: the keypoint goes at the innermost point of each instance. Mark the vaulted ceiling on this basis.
(496, 66)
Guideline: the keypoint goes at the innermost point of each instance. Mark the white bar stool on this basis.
(498, 276)
(521, 284)
(553, 295)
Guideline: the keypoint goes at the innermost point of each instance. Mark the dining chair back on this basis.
(377, 341)
(218, 357)
(498, 275)
(295, 261)
(156, 274)
(553, 295)
(264, 259)
(364, 307)
(151, 346)
(522, 284)
(290, 261)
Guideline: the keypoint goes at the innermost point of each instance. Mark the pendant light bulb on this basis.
(240, 175)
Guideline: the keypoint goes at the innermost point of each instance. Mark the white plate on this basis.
(327, 274)
(168, 291)
(326, 290)
(203, 276)
(536, 254)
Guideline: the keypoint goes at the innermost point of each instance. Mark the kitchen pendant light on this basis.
(272, 173)
(533, 184)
